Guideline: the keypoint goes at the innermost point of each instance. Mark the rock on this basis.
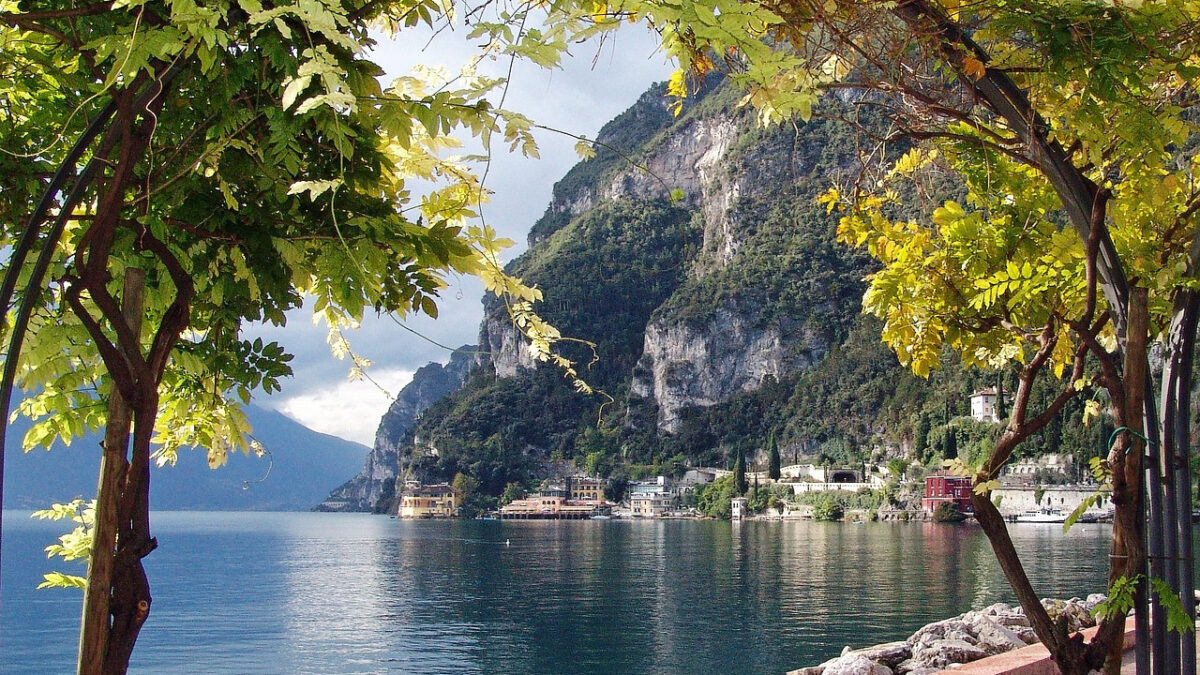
(969, 637)
(950, 629)
(689, 363)
(992, 637)
(913, 667)
(945, 652)
(1026, 634)
(1076, 612)
(1014, 620)
(855, 663)
(998, 609)
(890, 654)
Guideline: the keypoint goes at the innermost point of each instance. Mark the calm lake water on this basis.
(345, 593)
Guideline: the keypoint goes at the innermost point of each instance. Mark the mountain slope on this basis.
(377, 479)
(302, 467)
(720, 319)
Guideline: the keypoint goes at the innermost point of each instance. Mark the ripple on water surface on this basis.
(338, 593)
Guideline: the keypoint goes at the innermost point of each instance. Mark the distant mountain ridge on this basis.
(302, 467)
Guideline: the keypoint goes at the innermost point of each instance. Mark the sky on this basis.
(598, 82)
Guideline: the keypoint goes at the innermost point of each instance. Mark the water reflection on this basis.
(313, 593)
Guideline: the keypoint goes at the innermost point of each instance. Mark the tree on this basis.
(897, 467)
(714, 499)
(464, 486)
(739, 473)
(1077, 114)
(466, 494)
(512, 492)
(828, 507)
(994, 106)
(947, 512)
(179, 169)
(921, 435)
(773, 469)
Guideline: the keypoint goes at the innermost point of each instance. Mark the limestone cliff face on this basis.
(767, 293)
(753, 306)
(688, 159)
(378, 476)
(685, 365)
(507, 351)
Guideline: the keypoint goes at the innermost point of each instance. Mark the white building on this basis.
(983, 405)
(1028, 469)
(651, 499)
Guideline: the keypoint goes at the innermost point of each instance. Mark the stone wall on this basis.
(1017, 499)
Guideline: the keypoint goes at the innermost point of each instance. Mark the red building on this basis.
(943, 488)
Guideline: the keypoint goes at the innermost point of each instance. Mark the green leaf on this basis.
(60, 580)
(1177, 618)
(1085, 504)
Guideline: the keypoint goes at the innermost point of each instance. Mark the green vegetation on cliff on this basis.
(602, 276)
(772, 260)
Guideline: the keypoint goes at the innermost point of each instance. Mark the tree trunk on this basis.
(1069, 652)
(131, 588)
(93, 633)
(1125, 460)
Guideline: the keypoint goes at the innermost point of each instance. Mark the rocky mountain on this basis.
(710, 305)
(377, 480)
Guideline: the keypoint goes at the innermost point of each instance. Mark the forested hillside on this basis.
(718, 319)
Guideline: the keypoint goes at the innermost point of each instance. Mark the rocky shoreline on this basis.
(965, 638)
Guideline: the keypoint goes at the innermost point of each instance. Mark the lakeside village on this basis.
(1033, 490)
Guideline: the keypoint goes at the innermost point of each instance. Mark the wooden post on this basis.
(93, 633)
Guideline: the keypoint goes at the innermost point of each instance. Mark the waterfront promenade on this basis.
(1035, 660)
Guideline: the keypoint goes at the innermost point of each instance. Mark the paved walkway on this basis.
(1129, 663)
(1035, 660)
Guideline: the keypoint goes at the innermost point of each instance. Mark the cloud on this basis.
(593, 86)
(349, 410)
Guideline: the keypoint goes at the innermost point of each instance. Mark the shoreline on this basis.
(969, 637)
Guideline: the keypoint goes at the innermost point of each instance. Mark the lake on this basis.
(351, 593)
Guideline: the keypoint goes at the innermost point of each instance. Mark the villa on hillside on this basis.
(427, 501)
(983, 405)
(1031, 469)
(817, 478)
(585, 488)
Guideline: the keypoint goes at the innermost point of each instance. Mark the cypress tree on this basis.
(921, 437)
(739, 473)
(773, 458)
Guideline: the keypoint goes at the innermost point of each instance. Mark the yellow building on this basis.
(549, 507)
(428, 501)
(583, 488)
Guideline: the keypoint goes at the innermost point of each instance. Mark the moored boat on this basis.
(1042, 516)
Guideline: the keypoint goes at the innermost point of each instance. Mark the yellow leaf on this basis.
(986, 488)
(974, 68)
